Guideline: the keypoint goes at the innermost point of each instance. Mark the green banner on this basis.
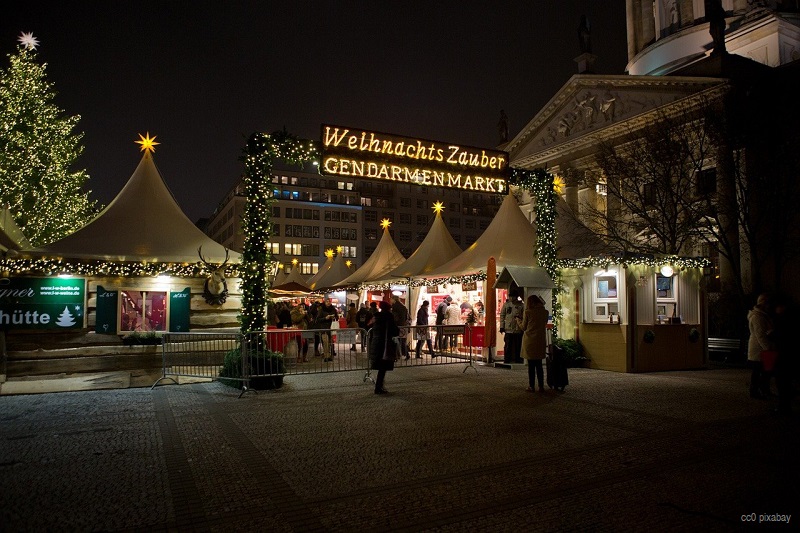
(42, 303)
(179, 306)
(106, 318)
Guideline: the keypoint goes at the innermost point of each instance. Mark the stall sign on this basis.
(469, 286)
(433, 289)
(354, 152)
(42, 303)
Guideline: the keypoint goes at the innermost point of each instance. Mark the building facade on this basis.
(314, 213)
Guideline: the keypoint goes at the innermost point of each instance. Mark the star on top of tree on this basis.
(148, 143)
(27, 40)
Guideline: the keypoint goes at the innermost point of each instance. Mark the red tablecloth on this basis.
(474, 337)
(277, 339)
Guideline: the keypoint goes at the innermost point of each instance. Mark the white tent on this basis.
(143, 223)
(321, 272)
(510, 239)
(335, 273)
(383, 260)
(437, 248)
(294, 281)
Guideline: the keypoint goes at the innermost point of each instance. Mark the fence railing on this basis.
(311, 351)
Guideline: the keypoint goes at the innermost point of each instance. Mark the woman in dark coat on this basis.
(384, 330)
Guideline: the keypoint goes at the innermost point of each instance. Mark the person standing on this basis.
(441, 309)
(363, 317)
(300, 321)
(509, 326)
(534, 339)
(401, 318)
(325, 316)
(785, 366)
(423, 333)
(452, 317)
(352, 322)
(384, 331)
(760, 324)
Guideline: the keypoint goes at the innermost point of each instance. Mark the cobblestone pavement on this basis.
(443, 451)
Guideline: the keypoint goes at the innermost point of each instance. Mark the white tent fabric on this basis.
(293, 277)
(510, 239)
(436, 249)
(280, 277)
(334, 274)
(143, 223)
(321, 272)
(383, 260)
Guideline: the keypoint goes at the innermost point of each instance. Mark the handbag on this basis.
(768, 358)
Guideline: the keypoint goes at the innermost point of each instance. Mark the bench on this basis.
(731, 348)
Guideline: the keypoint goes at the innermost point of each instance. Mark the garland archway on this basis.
(262, 150)
(541, 185)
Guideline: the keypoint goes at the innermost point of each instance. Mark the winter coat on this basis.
(383, 327)
(452, 316)
(760, 327)
(351, 318)
(534, 336)
(299, 317)
(441, 310)
(510, 311)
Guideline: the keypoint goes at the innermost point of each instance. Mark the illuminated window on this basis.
(605, 300)
(142, 311)
(274, 248)
(666, 297)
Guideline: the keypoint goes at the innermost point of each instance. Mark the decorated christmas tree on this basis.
(38, 149)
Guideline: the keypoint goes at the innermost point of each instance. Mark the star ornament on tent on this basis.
(437, 207)
(27, 40)
(385, 223)
(148, 143)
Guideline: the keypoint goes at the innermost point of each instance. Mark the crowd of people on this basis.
(390, 323)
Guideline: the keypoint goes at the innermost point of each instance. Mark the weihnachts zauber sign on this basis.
(42, 303)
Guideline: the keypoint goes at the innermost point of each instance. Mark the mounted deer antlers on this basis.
(215, 289)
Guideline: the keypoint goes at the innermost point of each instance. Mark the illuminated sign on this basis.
(42, 303)
(358, 153)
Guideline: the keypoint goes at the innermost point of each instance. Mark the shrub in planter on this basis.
(269, 364)
(141, 339)
(573, 352)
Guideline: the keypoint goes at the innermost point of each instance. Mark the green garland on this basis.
(262, 149)
(540, 184)
(52, 267)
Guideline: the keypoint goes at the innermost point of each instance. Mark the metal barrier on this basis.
(435, 345)
(311, 351)
(195, 355)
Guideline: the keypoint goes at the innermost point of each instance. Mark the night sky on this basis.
(203, 76)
